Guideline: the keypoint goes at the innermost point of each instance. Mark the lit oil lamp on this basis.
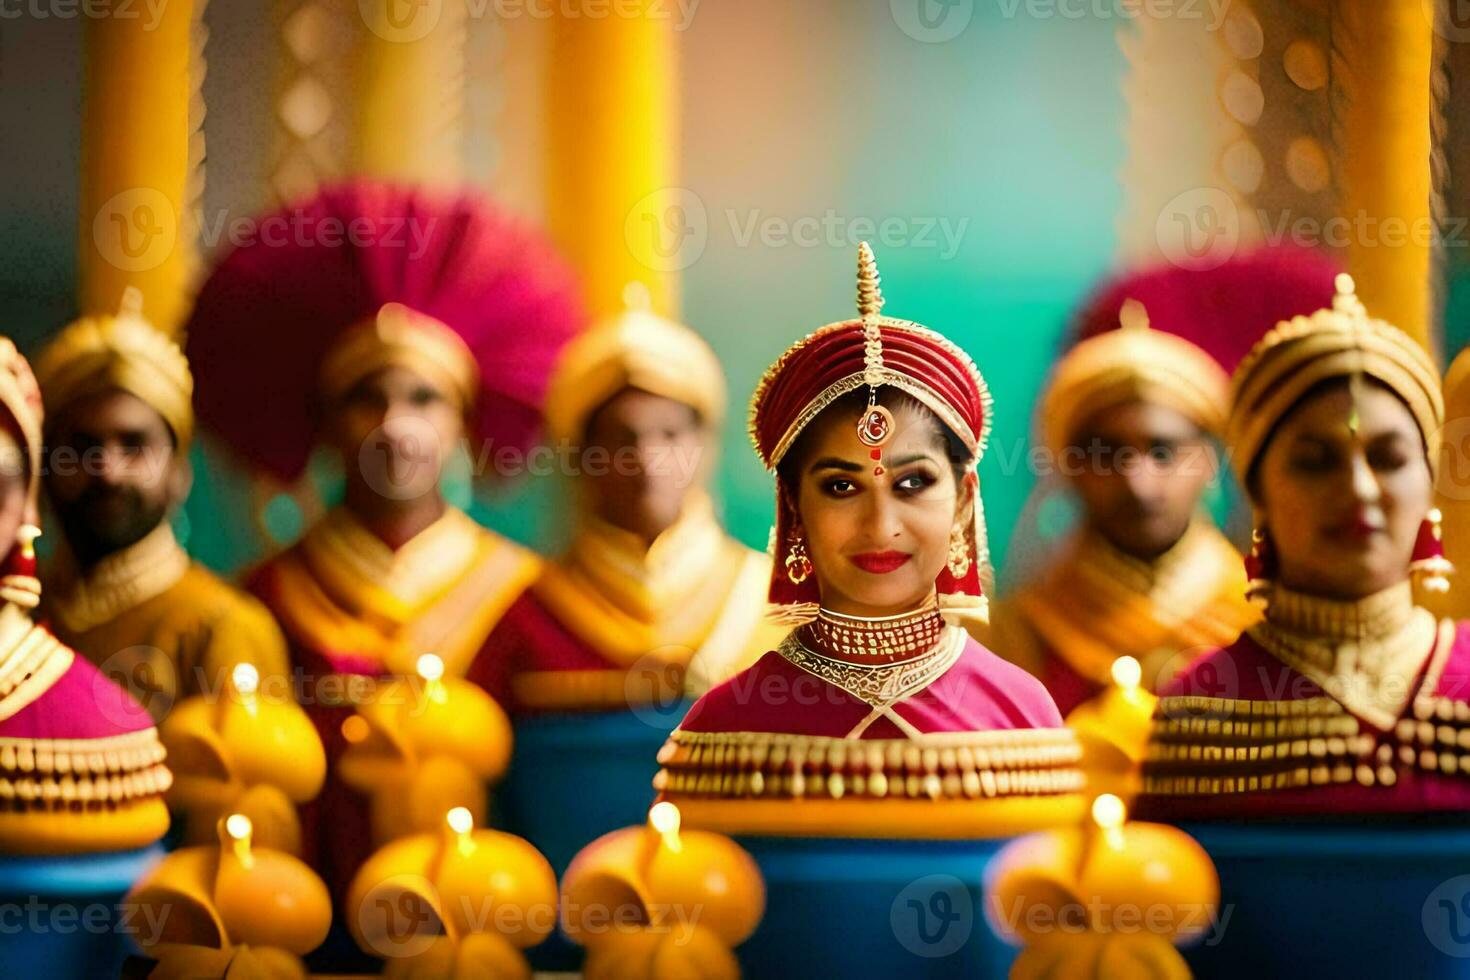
(216, 901)
(243, 751)
(426, 745)
(651, 879)
(456, 902)
(1108, 891)
(1113, 728)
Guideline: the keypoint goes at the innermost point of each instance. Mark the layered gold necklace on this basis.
(1367, 654)
(882, 660)
(889, 637)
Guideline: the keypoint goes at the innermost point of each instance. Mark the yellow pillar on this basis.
(140, 152)
(409, 91)
(613, 204)
(1381, 74)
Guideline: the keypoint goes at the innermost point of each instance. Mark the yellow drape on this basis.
(1381, 70)
(613, 205)
(409, 77)
(140, 110)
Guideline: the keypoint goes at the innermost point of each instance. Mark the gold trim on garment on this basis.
(946, 765)
(121, 581)
(1098, 603)
(442, 592)
(1206, 746)
(693, 598)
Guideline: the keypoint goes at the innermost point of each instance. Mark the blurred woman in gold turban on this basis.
(1349, 697)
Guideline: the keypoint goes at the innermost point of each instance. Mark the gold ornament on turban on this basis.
(123, 352)
(1340, 342)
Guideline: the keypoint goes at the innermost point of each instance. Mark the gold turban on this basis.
(1133, 363)
(402, 337)
(1332, 343)
(635, 349)
(100, 353)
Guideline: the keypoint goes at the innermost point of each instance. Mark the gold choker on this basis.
(892, 637)
(1379, 615)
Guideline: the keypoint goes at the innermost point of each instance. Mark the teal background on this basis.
(1011, 130)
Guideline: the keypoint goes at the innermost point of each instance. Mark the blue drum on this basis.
(1373, 901)
(574, 778)
(59, 916)
(840, 907)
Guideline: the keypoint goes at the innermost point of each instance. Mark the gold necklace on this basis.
(880, 685)
(1366, 654)
(898, 637)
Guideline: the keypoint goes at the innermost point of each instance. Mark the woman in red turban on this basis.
(873, 427)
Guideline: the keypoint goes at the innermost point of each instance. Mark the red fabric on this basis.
(1067, 687)
(828, 358)
(1245, 671)
(981, 692)
(810, 368)
(529, 638)
(271, 310)
(83, 703)
(1223, 310)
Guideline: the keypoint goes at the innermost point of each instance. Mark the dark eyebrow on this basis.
(914, 458)
(835, 463)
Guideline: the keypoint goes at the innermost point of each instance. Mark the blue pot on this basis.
(1338, 901)
(574, 778)
(59, 915)
(874, 908)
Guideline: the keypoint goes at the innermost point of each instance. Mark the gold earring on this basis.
(959, 552)
(798, 564)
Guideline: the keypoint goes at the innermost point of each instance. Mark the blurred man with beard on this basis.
(119, 587)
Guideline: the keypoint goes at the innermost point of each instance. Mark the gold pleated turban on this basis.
(1133, 363)
(635, 349)
(102, 353)
(1340, 342)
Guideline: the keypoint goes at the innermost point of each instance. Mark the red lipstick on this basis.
(880, 562)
